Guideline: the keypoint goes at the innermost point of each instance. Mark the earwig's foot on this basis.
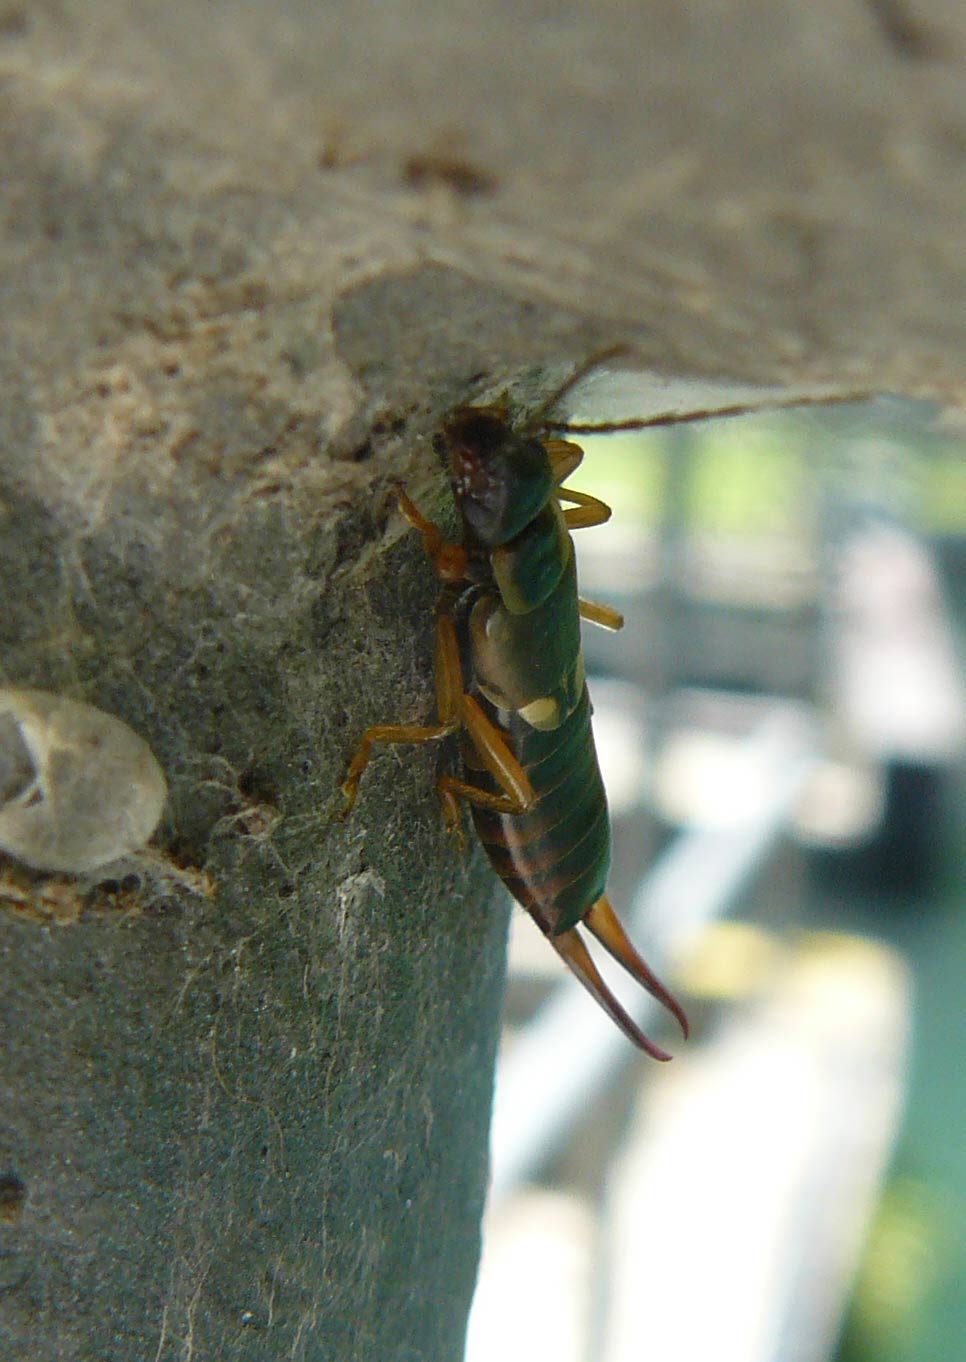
(417, 734)
(606, 926)
(452, 816)
(350, 790)
(353, 777)
(571, 949)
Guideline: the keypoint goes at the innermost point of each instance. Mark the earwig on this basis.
(510, 680)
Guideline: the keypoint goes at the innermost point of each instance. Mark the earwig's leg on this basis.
(455, 710)
(451, 812)
(565, 456)
(586, 512)
(460, 710)
(452, 789)
(447, 670)
(449, 560)
(604, 615)
(575, 955)
(496, 756)
(518, 794)
(449, 686)
(430, 531)
(387, 733)
(606, 926)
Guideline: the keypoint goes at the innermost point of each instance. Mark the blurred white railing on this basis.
(570, 1050)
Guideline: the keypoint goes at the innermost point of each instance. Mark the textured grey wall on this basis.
(250, 253)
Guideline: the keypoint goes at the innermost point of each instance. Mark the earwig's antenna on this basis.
(593, 361)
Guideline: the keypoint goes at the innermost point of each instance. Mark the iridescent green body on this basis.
(555, 858)
(527, 669)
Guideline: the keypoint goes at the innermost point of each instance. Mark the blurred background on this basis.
(781, 726)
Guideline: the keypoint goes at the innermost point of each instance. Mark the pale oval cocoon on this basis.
(78, 787)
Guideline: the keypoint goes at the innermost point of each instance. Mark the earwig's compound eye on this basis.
(78, 788)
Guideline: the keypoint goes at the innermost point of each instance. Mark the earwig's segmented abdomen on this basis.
(554, 859)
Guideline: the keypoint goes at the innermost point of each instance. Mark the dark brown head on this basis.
(501, 480)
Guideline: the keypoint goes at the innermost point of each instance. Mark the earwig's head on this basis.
(501, 480)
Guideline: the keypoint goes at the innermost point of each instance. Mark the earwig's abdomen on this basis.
(554, 859)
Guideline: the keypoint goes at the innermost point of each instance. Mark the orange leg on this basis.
(451, 791)
(496, 756)
(518, 794)
(586, 511)
(565, 456)
(455, 709)
(449, 560)
(386, 733)
(448, 687)
(604, 615)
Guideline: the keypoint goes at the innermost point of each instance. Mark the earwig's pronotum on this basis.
(510, 678)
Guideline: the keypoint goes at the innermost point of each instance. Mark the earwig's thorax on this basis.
(501, 480)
